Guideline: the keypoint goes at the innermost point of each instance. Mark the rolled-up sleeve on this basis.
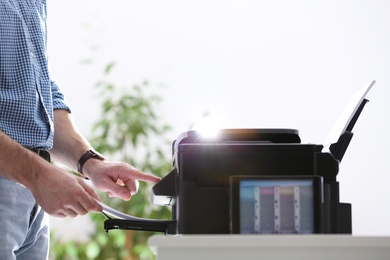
(58, 98)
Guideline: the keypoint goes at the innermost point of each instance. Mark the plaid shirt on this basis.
(27, 93)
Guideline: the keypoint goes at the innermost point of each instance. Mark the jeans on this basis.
(24, 226)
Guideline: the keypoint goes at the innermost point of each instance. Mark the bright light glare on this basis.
(208, 126)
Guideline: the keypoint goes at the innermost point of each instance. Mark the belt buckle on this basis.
(43, 153)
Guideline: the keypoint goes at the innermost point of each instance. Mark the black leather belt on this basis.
(42, 153)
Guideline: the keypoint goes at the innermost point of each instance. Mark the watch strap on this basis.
(90, 154)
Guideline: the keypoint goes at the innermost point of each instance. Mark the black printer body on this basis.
(198, 188)
(290, 187)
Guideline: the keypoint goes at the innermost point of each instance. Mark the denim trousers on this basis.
(24, 226)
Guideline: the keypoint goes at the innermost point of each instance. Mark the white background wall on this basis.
(260, 64)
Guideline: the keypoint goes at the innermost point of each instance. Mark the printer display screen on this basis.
(276, 205)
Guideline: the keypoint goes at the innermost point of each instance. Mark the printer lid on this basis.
(273, 135)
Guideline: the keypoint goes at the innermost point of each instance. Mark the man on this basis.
(35, 123)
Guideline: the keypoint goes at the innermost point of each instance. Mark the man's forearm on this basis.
(69, 144)
(18, 163)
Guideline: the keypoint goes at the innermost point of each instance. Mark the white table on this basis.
(270, 247)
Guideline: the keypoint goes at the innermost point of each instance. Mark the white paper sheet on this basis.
(116, 213)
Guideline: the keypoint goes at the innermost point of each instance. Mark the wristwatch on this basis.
(84, 158)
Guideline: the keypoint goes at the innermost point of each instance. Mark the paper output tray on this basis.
(140, 225)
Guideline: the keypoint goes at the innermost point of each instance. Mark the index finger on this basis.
(142, 176)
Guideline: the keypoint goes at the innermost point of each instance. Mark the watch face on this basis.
(96, 155)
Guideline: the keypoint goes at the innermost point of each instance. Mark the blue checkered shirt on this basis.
(28, 95)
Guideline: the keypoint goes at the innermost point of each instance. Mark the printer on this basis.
(254, 181)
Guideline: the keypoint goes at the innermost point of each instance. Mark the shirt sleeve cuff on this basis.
(58, 98)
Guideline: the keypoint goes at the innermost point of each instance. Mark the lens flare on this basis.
(208, 127)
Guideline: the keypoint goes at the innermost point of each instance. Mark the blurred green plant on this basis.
(129, 130)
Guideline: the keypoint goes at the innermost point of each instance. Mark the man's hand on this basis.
(57, 191)
(118, 179)
(62, 194)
